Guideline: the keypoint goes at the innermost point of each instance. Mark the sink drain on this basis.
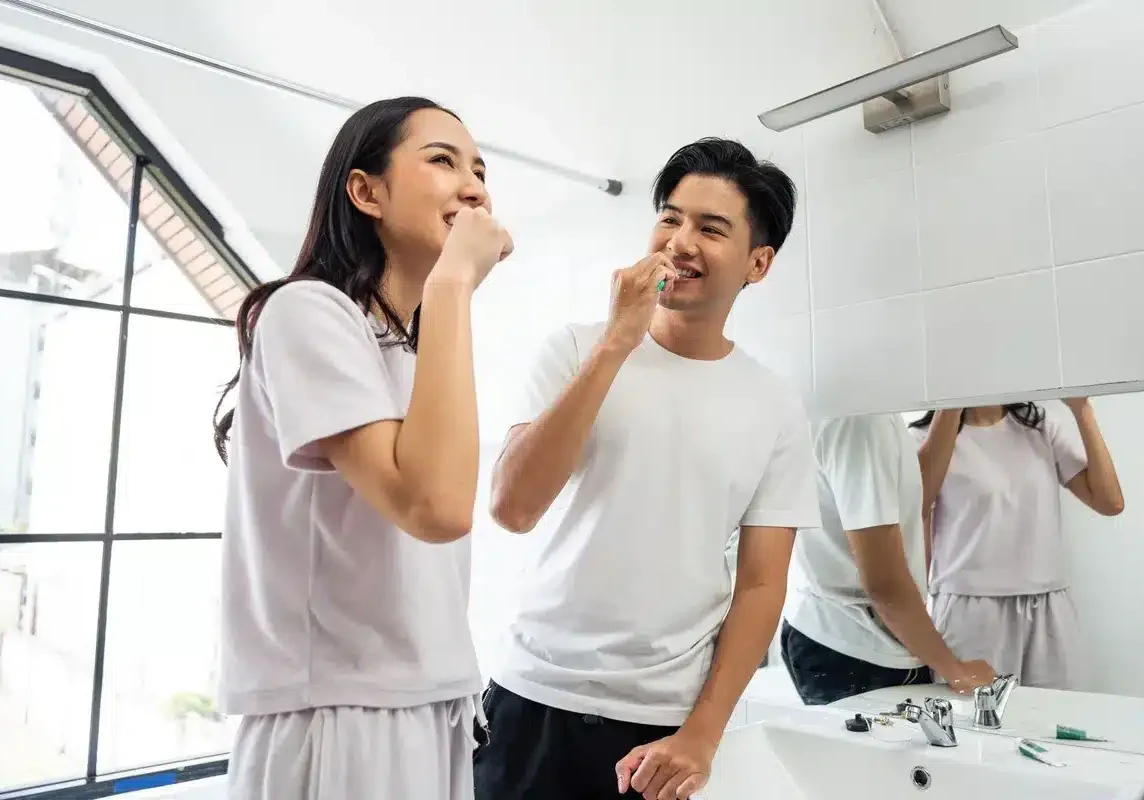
(920, 778)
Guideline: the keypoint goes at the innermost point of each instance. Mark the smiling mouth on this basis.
(689, 274)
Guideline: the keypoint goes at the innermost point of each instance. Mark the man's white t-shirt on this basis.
(1000, 506)
(618, 613)
(868, 476)
(324, 601)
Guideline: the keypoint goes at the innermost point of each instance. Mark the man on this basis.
(857, 620)
(629, 650)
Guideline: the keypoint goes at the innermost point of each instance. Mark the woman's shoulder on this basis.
(308, 295)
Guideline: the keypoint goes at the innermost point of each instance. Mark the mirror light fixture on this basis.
(904, 92)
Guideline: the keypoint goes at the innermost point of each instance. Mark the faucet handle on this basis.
(941, 710)
(985, 698)
(939, 705)
(985, 711)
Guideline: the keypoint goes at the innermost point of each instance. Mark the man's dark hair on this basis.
(770, 193)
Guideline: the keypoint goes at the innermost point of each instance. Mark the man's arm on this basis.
(861, 459)
(885, 575)
(785, 499)
(936, 451)
(680, 764)
(748, 630)
(540, 456)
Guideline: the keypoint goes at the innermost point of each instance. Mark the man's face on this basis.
(705, 229)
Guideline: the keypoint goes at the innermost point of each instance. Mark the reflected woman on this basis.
(991, 480)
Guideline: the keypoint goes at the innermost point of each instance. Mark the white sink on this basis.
(1032, 713)
(806, 754)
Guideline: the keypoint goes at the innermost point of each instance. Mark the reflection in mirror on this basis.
(977, 549)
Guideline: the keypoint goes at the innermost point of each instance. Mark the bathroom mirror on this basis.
(1030, 560)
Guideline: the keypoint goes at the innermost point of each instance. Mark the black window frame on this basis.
(150, 161)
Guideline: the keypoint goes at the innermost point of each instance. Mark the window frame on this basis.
(149, 162)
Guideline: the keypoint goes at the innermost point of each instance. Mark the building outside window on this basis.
(117, 295)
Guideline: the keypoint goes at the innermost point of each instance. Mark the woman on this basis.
(352, 477)
(991, 481)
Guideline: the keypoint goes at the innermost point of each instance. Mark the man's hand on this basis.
(969, 675)
(635, 295)
(673, 768)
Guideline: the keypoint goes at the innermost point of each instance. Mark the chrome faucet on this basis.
(936, 721)
(989, 702)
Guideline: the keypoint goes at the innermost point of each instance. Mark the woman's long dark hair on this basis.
(341, 246)
(1030, 415)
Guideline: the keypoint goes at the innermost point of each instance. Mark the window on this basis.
(117, 299)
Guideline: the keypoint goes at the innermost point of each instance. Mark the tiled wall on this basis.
(996, 250)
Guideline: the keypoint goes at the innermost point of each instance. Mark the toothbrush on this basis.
(1031, 749)
(662, 283)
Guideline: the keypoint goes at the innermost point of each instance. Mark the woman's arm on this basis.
(1097, 485)
(421, 472)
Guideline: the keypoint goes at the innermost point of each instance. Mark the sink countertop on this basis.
(807, 753)
(1031, 712)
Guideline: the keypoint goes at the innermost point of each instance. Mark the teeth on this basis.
(688, 273)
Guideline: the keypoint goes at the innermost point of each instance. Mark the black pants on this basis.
(534, 752)
(822, 675)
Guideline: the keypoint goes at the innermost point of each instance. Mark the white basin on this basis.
(806, 754)
(1032, 713)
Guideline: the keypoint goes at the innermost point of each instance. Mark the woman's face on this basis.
(433, 173)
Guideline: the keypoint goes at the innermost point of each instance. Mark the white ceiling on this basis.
(605, 86)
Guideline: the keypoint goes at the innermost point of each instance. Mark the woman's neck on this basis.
(984, 416)
(401, 291)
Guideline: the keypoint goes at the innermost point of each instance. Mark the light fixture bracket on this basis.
(906, 106)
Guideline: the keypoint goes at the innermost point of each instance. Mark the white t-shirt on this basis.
(325, 602)
(868, 475)
(1000, 507)
(618, 614)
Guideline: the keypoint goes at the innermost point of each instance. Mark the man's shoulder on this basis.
(570, 342)
(772, 388)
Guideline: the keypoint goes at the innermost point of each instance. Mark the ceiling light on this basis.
(889, 82)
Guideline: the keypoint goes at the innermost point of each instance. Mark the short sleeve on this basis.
(552, 369)
(860, 460)
(319, 366)
(1067, 446)
(787, 495)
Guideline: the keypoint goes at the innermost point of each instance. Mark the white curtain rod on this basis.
(609, 185)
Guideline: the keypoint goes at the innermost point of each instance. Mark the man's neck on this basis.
(690, 334)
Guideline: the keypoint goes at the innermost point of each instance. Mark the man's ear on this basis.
(367, 193)
(761, 259)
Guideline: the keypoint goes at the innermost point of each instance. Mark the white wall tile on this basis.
(840, 150)
(786, 289)
(786, 149)
(782, 343)
(1091, 60)
(1096, 184)
(990, 102)
(1102, 329)
(869, 357)
(992, 337)
(863, 241)
(983, 214)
